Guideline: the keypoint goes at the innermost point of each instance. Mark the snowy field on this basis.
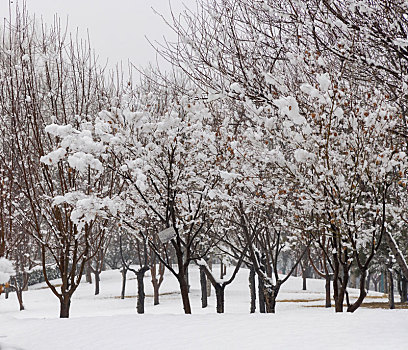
(106, 322)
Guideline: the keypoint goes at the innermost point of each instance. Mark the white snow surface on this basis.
(106, 322)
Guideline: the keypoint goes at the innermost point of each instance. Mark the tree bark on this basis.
(184, 294)
(385, 278)
(270, 294)
(208, 281)
(19, 294)
(219, 293)
(391, 300)
(304, 280)
(252, 289)
(221, 269)
(88, 272)
(339, 283)
(261, 296)
(157, 281)
(327, 288)
(65, 303)
(140, 290)
(404, 289)
(363, 293)
(203, 283)
(97, 280)
(187, 279)
(123, 272)
(368, 281)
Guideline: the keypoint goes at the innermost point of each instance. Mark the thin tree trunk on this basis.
(304, 280)
(65, 303)
(252, 289)
(19, 294)
(203, 283)
(270, 295)
(219, 293)
(97, 282)
(221, 269)
(123, 272)
(208, 281)
(88, 270)
(187, 280)
(155, 283)
(25, 282)
(327, 287)
(385, 277)
(363, 293)
(184, 294)
(391, 300)
(140, 290)
(339, 287)
(261, 296)
(368, 282)
(404, 289)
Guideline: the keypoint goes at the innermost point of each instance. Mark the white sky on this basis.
(117, 27)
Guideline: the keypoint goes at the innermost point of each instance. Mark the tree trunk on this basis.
(19, 294)
(270, 294)
(261, 296)
(97, 280)
(385, 274)
(391, 300)
(65, 303)
(208, 281)
(155, 283)
(25, 282)
(304, 280)
(203, 283)
(252, 289)
(353, 280)
(156, 294)
(88, 274)
(368, 282)
(221, 269)
(123, 272)
(184, 294)
(327, 287)
(140, 291)
(187, 280)
(363, 293)
(404, 289)
(339, 286)
(219, 293)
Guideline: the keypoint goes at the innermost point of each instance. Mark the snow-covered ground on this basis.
(106, 322)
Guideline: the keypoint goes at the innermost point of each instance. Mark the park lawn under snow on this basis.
(106, 322)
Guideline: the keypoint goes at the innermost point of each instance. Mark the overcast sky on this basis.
(117, 27)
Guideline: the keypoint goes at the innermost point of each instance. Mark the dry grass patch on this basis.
(146, 295)
(299, 300)
(372, 305)
(383, 305)
(46, 287)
